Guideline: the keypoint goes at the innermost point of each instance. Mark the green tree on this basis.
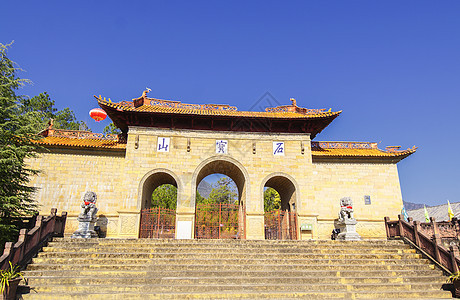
(223, 191)
(43, 108)
(16, 129)
(199, 199)
(111, 129)
(272, 200)
(165, 196)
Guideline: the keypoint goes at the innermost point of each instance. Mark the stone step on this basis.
(235, 256)
(227, 242)
(301, 243)
(233, 243)
(409, 295)
(227, 280)
(246, 261)
(225, 250)
(201, 288)
(195, 271)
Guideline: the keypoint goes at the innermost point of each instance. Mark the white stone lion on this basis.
(346, 209)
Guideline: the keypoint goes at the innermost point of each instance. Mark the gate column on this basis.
(255, 226)
(185, 223)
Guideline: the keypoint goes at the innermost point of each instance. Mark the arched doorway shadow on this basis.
(221, 220)
(281, 223)
(159, 221)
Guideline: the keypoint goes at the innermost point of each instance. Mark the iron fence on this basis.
(219, 221)
(280, 225)
(158, 223)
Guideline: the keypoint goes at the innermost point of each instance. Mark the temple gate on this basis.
(169, 142)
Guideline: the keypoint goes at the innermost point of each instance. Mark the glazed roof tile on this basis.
(338, 151)
(357, 149)
(81, 142)
(126, 106)
(359, 152)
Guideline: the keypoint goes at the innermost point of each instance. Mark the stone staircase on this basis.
(222, 269)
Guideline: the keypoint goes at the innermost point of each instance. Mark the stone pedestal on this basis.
(85, 228)
(348, 230)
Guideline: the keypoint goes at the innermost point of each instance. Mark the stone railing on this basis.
(31, 241)
(428, 237)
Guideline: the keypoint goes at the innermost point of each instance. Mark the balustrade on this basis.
(439, 240)
(30, 241)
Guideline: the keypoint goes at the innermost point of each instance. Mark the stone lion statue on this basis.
(88, 207)
(346, 209)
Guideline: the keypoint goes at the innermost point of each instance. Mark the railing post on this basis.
(416, 233)
(456, 221)
(387, 229)
(436, 238)
(401, 230)
(61, 227)
(39, 224)
(20, 245)
(453, 254)
(7, 252)
(50, 227)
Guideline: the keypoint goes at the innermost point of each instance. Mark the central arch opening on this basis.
(158, 203)
(280, 209)
(220, 199)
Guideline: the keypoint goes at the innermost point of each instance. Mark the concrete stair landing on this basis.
(222, 269)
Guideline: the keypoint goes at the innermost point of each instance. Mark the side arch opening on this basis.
(158, 200)
(280, 208)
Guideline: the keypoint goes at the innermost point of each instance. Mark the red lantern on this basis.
(98, 114)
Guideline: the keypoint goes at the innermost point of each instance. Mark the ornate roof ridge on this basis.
(357, 145)
(358, 149)
(50, 131)
(174, 104)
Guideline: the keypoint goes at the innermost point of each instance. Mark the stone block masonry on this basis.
(124, 179)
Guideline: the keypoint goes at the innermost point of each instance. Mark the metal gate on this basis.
(280, 225)
(219, 221)
(158, 223)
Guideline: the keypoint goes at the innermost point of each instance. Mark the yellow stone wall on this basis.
(334, 180)
(118, 180)
(67, 174)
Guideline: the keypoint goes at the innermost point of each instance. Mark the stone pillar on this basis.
(185, 225)
(255, 229)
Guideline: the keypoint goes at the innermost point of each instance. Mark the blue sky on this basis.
(393, 67)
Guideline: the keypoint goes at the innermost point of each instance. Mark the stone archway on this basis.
(233, 169)
(154, 179)
(282, 223)
(157, 222)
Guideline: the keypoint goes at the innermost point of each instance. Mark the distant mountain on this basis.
(204, 188)
(439, 212)
(412, 206)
